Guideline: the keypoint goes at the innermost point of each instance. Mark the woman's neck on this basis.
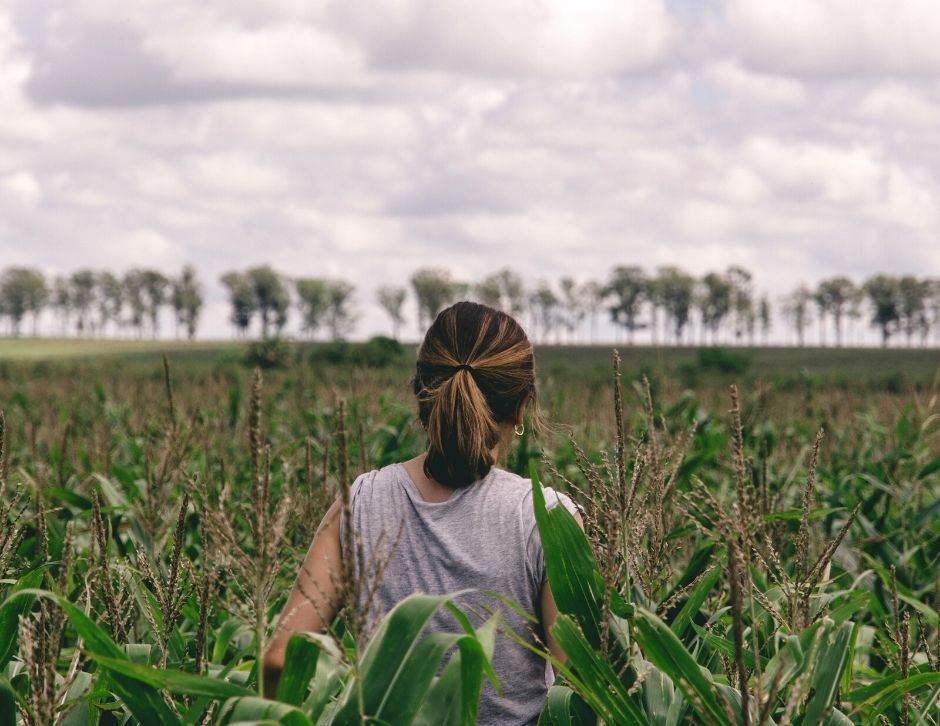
(430, 490)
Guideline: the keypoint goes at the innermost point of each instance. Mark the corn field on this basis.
(748, 556)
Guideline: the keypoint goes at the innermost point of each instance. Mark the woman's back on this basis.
(483, 536)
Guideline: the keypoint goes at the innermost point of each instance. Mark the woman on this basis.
(449, 519)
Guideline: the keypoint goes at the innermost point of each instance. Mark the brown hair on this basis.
(475, 369)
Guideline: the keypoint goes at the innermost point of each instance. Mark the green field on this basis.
(905, 367)
(741, 566)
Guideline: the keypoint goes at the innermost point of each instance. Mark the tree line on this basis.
(671, 304)
(98, 302)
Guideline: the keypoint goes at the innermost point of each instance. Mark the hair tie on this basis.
(464, 367)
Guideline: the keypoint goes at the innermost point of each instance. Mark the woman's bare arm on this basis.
(312, 603)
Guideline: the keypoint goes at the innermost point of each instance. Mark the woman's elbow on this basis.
(272, 663)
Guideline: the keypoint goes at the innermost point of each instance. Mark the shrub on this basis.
(268, 353)
(723, 360)
(377, 352)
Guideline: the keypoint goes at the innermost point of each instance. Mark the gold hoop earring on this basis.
(519, 429)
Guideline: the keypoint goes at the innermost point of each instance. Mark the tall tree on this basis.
(134, 284)
(434, 290)
(572, 305)
(543, 305)
(61, 301)
(488, 292)
(340, 317)
(855, 308)
(109, 294)
(186, 299)
(592, 292)
(832, 297)
(22, 291)
(933, 304)
(654, 297)
(272, 298)
(676, 290)
(714, 301)
(912, 297)
(513, 297)
(392, 300)
(503, 290)
(884, 293)
(628, 288)
(313, 302)
(241, 296)
(766, 321)
(796, 308)
(742, 301)
(82, 296)
(155, 288)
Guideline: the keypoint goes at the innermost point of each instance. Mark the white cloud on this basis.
(900, 105)
(758, 88)
(275, 55)
(556, 38)
(837, 37)
(23, 186)
(366, 139)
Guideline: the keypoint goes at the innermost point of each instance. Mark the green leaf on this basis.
(694, 603)
(227, 632)
(569, 563)
(894, 685)
(663, 705)
(142, 700)
(253, 709)
(7, 702)
(664, 650)
(593, 677)
(454, 697)
(929, 468)
(831, 660)
(726, 647)
(332, 672)
(175, 681)
(398, 665)
(790, 658)
(564, 707)
(300, 664)
(10, 611)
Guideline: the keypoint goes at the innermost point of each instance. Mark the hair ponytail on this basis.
(474, 371)
(461, 432)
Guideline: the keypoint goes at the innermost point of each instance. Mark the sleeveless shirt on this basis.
(484, 536)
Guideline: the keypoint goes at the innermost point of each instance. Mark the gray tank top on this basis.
(484, 536)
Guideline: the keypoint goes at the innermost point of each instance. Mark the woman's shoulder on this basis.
(374, 480)
(516, 487)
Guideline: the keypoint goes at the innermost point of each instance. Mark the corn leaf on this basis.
(832, 657)
(569, 563)
(253, 709)
(694, 602)
(10, 612)
(564, 707)
(300, 663)
(7, 702)
(398, 666)
(664, 650)
(175, 681)
(141, 699)
(597, 682)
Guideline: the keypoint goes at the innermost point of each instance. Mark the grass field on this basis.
(907, 366)
(731, 556)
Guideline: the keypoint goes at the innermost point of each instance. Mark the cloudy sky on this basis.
(366, 138)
